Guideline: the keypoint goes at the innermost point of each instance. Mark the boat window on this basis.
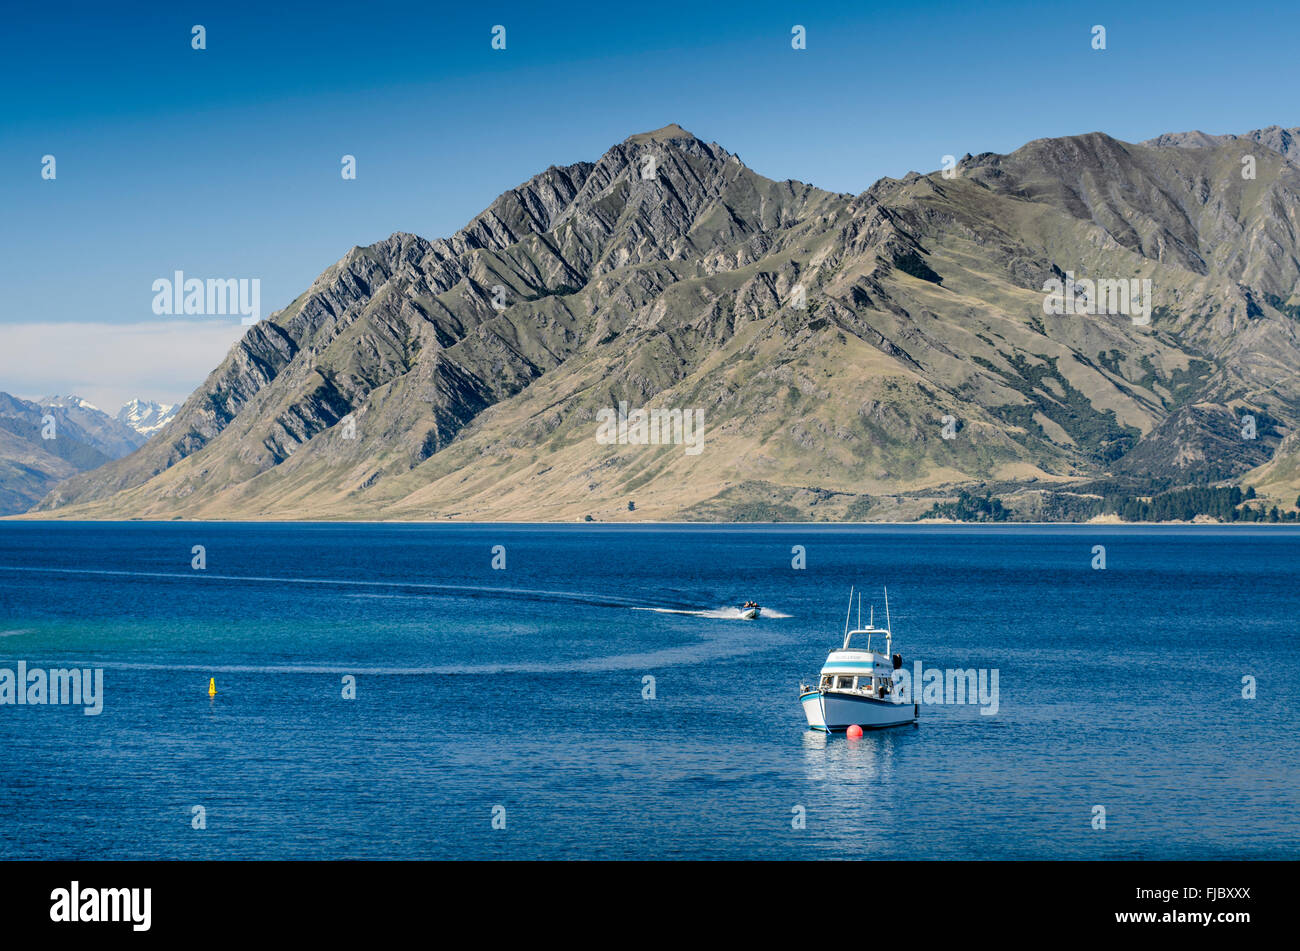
(846, 682)
(826, 681)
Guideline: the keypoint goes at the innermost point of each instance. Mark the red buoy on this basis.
(854, 732)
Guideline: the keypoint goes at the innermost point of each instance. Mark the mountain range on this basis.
(46, 441)
(852, 356)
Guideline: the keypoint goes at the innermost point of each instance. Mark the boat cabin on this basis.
(867, 685)
(860, 668)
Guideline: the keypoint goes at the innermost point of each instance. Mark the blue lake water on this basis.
(522, 688)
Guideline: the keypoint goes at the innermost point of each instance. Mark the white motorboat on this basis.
(749, 610)
(858, 685)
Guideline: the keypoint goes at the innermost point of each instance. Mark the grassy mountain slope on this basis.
(461, 377)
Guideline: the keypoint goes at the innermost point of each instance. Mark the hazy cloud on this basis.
(109, 364)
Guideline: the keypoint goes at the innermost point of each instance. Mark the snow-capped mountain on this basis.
(45, 441)
(145, 416)
(82, 419)
(69, 402)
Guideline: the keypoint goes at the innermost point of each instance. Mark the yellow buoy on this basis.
(212, 686)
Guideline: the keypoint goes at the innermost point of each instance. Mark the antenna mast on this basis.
(889, 628)
(847, 614)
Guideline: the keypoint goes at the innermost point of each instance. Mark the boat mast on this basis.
(847, 615)
(889, 628)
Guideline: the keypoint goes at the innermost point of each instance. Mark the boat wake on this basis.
(387, 589)
(720, 614)
(714, 644)
(706, 651)
(366, 589)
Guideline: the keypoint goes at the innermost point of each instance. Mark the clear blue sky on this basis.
(225, 162)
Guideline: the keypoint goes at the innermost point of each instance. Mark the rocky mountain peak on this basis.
(68, 402)
(146, 417)
(820, 332)
(1286, 142)
(668, 133)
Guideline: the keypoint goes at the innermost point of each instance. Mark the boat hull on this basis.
(835, 712)
(748, 614)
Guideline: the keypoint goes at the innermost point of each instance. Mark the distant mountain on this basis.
(90, 425)
(145, 416)
(1283, 141)
(36, 452)
(857, 356)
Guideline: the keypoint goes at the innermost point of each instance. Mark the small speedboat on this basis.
(859, 685)
(749, 610)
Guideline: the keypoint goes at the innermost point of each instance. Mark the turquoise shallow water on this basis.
(522, 688)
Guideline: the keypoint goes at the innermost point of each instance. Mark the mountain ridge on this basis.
(470, 369)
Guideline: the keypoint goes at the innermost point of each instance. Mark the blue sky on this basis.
(225, 162)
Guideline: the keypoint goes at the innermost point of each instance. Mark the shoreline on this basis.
(648, 523)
